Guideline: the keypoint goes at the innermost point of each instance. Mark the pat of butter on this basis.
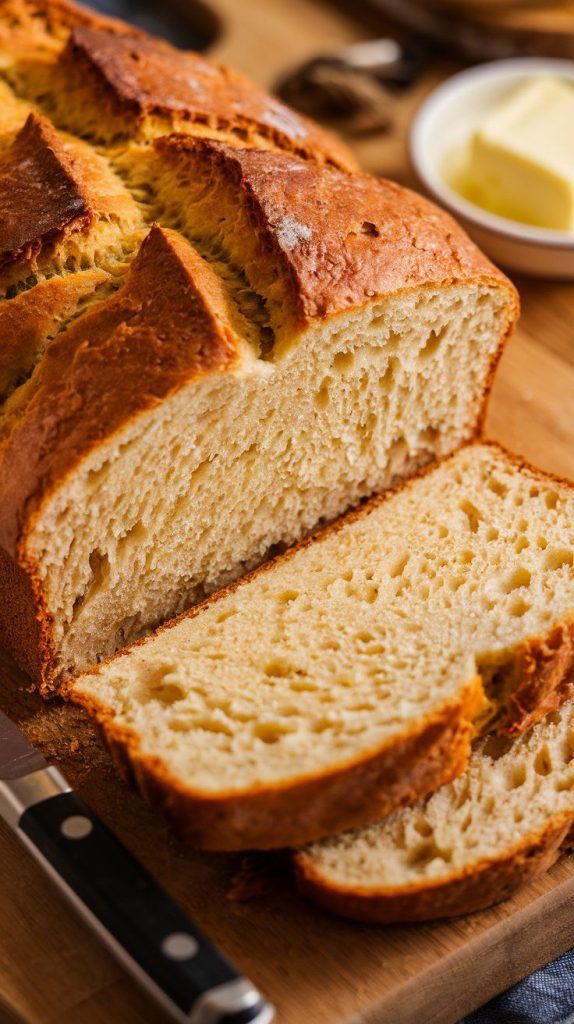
(521, 160)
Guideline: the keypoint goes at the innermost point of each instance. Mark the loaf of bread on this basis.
(349, 676)
(215, 334)
(469, 845)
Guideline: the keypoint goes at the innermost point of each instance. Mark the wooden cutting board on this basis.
(315, 968)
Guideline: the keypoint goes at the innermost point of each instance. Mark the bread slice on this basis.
(469, 845)
(146, 456)
(344, 679)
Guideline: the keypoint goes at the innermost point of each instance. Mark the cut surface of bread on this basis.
(345, 678)
(239, 476)
(469, 845)
(207, 349)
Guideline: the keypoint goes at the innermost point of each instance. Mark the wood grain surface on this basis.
(316, 969)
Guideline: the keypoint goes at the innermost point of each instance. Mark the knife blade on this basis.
(153, 938)
(17, 756)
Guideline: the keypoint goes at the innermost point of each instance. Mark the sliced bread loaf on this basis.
(345, 678)
(471, 844)
(180, 400)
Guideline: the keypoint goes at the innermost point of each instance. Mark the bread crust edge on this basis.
(364, 790)
(273, 816)
(547, 663)
(488, 882)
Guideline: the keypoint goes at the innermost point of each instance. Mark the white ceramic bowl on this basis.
(443, 124)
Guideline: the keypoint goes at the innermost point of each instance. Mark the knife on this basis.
(138, 921)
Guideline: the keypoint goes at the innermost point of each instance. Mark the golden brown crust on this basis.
(31, 319)
(39, 28)
(20, 629)
(476, 888)
(430, 754)
(340, 241)
(13, 114)
(139, 77)
(54, 18)
(168, 325)
(40, 197)
(62, 208)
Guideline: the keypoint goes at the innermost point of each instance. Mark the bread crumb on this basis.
(258, 875)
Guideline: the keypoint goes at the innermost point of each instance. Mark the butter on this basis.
(520, 162)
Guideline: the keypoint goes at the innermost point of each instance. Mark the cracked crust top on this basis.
(142, 76)
(340, 240)
(40, 196)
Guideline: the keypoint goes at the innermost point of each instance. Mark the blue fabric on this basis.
(546, 997)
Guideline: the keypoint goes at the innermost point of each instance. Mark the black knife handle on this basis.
(155, 940)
